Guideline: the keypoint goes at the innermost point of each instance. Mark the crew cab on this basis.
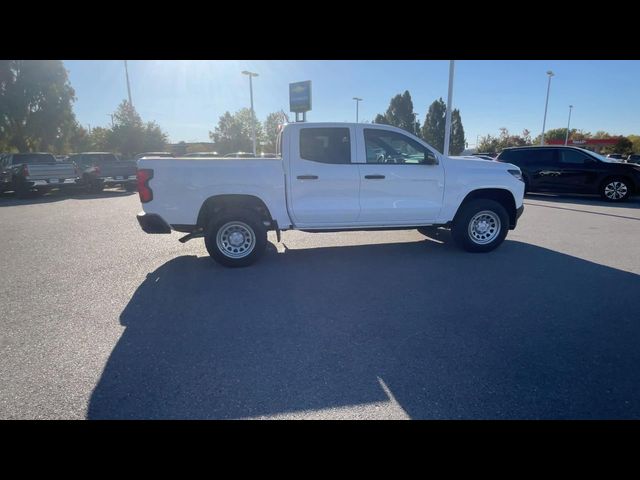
(329, 177)
(100, 169)
(27, 173)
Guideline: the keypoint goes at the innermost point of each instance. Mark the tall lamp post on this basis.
(566, 139)
(544, 122)
(447, 123)
(126, 72)
(358, 100)
(253, 115)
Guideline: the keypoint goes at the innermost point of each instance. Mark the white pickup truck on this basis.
(329, 177)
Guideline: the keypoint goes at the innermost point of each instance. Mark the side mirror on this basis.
(430, 159)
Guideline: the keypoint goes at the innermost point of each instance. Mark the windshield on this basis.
(600, 157)
(33, 158)
(100, 157)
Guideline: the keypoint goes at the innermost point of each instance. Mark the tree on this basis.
(271, 128)
(457, 141)
(99, 140)
(434, 125)
(400, 114)
(35, 105)
(635, 141)
(129, 134)
(380, 119)
(623, 146)
(433, 130)
(233, 132)
(493, 144)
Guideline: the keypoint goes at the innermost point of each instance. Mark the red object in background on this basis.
(588, 141)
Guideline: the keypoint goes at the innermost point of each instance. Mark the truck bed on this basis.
(186, 183)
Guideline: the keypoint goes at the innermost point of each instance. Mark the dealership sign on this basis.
(300, 96)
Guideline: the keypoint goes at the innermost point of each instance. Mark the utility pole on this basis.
(447, 125)
(110, 115)
(544, 122)
(566, 139)
(358, 100)
(126, 72)
(253, 115)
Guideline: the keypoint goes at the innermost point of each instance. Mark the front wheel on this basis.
(480, 225)
(615, 190)
(236, 238)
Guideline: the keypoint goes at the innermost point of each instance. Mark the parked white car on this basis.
(331, 176)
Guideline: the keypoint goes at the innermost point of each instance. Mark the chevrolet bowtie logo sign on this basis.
(300, 96)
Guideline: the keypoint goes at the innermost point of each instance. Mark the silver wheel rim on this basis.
(484, 227)
(615, 190)
(235, 239)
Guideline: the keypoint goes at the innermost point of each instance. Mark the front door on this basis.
(401, 180)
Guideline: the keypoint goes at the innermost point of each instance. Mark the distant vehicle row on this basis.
(37, 173)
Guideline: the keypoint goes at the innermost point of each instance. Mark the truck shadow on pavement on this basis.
(522, 332)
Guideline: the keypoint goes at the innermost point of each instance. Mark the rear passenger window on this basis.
(572, 157)
(325, 145)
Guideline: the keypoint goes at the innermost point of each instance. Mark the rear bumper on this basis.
(153, 223)
(33, 183)
(119, 179)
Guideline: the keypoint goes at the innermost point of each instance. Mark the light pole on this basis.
(253, 115)
(447, 123)
(566, 139)
(358, 100)
(544, 122)
(126, 72)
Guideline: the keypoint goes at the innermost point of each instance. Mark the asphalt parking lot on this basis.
(100, 320)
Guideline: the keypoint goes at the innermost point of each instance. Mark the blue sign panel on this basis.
(300, 96)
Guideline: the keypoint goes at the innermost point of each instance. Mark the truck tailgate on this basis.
(118, 170)
(51, 171)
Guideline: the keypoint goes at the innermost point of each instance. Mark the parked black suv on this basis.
(573, 170)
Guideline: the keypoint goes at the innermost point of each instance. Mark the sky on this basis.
(186, 97)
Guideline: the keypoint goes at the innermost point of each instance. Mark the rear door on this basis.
(543, 168)
(401, 180)
(324, 181)
(580, 172)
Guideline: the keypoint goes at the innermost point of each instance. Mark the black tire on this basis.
(22, 191)
(612, 187)
(461, 225)
(96, 187)
(243, 218)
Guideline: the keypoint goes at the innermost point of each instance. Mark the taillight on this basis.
(143, 175)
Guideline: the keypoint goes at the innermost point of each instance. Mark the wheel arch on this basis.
(501, 195)
(217, 203)
(623, 176)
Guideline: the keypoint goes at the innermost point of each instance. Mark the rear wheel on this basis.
(236, 238)
(96, 187)
(480, 225)
(615, 189)
(23, 191)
